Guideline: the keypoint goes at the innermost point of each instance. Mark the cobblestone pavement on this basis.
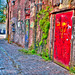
(12, 62)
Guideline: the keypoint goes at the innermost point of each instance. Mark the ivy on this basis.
(40, 43)
(44, 24)
(72, 69)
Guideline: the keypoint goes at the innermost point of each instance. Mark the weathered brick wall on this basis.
(19, 36)
(39, 32)
(31, 17)
(9, 15)
(52, 28)
(55, 2)
(73, 3)
(66, 4)
(73, 43)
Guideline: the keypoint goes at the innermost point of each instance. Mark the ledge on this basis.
(57, 10)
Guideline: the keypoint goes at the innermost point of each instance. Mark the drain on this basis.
(2, 68)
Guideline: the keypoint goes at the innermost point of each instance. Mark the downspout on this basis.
(35, 26)
(8, 22)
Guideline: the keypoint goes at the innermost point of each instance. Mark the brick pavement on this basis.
(12, 62)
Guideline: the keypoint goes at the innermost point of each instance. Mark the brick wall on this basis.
(73, 43)
(19, 36)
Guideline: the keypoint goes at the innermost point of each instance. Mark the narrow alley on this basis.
(12, 62)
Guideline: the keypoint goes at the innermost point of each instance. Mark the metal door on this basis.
(27, 23)
(63, 31)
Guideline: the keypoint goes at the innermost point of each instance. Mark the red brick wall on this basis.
(19, 36)
(32, 18)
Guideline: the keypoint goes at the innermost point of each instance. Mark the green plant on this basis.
(44, 23)
(11, 42)
(44, 54)
(31, 47)
(33, 51)
(29, 51)
(23, 51)
(2, 15)
(40, 43)
(72, 70)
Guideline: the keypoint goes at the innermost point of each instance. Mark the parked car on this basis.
(2, 31)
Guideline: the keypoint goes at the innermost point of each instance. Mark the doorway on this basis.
(62, 42)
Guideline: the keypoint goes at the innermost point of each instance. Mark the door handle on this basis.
(67, 39)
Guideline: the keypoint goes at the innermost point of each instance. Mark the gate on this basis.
(27, 23)
(63, 31)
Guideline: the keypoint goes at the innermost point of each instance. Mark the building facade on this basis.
(62, 33)
(60, 41)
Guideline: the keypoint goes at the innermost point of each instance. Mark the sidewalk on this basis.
(2, 36)
(28, 64)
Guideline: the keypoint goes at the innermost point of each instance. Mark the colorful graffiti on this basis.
(27, 33)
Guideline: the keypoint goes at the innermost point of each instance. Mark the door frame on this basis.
(71, 50)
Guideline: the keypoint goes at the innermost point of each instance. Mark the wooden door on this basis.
(63, 31)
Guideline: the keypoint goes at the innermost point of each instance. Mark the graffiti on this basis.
(18, 24)
(27, 33)
(32, 25)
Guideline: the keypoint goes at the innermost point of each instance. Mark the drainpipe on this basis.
(8, 21)
(35, 25)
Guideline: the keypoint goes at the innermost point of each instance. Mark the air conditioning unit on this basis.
(13, 2)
